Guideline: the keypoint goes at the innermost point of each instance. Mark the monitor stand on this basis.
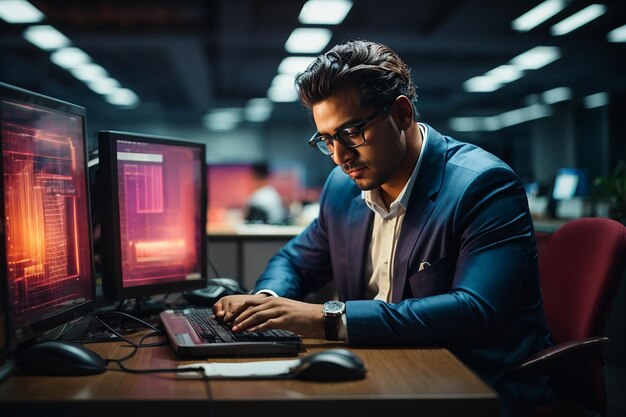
(141, 307)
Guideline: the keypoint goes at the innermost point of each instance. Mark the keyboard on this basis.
(216, 331)
(194, 332)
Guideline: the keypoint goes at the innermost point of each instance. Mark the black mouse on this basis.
(216, 288)
(330, 365)
(58, 358)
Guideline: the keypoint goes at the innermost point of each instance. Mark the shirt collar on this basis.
(398, 206)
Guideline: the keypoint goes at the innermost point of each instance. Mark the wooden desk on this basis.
(424, 382)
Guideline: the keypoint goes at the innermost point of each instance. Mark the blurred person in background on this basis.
(265, 204)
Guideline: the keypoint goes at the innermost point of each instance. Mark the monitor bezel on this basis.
(112, 279)
(35, 330)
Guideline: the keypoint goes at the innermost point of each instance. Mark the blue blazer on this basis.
(467, 217)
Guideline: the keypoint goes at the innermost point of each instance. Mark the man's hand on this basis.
(261, 312)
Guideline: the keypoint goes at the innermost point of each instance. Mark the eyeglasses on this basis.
(350, 136)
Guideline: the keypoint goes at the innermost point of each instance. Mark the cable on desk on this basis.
(108, 334)
(156, 332)
(123, 367)
(126, 315)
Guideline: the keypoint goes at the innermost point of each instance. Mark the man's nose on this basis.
(342, 154)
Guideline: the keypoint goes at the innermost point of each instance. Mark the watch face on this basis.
(333, 307)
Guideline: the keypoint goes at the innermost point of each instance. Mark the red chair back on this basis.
(580, 269)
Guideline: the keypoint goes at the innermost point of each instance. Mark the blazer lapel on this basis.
(360, 220)
(420, 207)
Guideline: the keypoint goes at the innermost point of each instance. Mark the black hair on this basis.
(376, 71)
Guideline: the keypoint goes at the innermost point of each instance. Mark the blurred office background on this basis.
(541, 84)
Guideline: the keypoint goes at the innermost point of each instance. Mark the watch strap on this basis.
(331, 327)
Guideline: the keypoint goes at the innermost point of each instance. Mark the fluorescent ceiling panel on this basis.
(537, 15)
(258, 109)
(46, 37)
(69, 57)
(556, 95)
(537, 57)
(19, 11)
(481, 84)
(324, 12)
(596, 100)
(579, 19)
(308, 40)
(123, 97)
(617, 35)
(505, 73)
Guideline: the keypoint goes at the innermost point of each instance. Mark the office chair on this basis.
(580, 266)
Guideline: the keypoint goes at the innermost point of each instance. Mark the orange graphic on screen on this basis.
(47, 260)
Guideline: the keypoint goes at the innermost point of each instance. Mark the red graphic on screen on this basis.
(47, 226)
(160, 213)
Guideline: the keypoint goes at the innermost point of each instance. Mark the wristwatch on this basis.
(332, 316)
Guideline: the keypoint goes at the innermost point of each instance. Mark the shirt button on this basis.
(385, 261)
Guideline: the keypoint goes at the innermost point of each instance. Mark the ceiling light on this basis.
(504, 73)
(474, 124)
(46, 37)
(104, 86)
(123, 97)
(258, 109)
(579, 19)
(466, 124)
(525, 114)
(222, 119)
(556, 95)
(19, 11)
(282, 95)
(284, 80)
(536, 57)
(69, 57)
(308, 40)
(596, 100)
(294, 64)
(537, 15)
(89, 72)
(324, 12)
(617, 35)
(481, 84)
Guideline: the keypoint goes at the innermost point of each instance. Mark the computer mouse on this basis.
(216, 288)
(58, 358)
(330, 365)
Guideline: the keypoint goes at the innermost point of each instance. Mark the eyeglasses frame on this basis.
(316, 138)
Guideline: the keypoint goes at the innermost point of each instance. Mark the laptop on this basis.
(195, 333)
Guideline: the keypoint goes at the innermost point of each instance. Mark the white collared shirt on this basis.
(386, 231)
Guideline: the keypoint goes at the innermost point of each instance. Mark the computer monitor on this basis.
(570, 183)
(46, 264)
(153, 213)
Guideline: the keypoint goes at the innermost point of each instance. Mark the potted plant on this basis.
(611, 191)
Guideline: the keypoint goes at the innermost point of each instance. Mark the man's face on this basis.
(379, 159)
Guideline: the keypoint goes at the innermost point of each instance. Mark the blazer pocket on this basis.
(434, 279)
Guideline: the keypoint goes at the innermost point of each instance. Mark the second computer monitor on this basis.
(153, 213)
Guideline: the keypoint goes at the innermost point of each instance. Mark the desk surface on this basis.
(432, 381)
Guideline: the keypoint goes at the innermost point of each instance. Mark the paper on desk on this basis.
(256, 369)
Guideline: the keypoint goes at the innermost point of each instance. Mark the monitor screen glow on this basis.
(46, 221)
(153, 234)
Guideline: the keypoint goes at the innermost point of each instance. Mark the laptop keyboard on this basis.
(215, 331)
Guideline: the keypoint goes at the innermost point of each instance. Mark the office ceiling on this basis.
(185, 57)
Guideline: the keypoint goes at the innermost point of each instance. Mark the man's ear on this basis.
(404, 112)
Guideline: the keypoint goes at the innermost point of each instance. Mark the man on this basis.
(265, 204)
(429, 240)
